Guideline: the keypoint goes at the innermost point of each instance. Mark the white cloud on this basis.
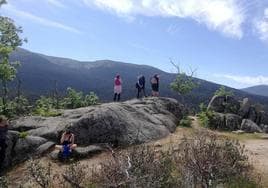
(56, 3)
(262, 26)
(43, 21)
(226, 16)
(249, 80)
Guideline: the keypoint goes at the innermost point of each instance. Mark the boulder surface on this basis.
(119, 124)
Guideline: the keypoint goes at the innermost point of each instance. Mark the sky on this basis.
(225, 41)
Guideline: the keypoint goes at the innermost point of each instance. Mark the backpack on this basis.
(117, 82)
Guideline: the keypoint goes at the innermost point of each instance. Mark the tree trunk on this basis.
(4, 98)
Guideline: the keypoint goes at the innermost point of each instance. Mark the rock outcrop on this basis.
(126, 123)
(249, 126)
(224, 104)
(232, 115)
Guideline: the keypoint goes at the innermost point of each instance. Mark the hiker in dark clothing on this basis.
(155, 85)
(3, 136)
(140, 85)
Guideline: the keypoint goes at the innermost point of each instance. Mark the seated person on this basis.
(67, 141)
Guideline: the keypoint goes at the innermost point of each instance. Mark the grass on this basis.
(243, 136)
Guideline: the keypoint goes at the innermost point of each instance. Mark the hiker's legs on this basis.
(119, 94)
(144, 94)
(73, 146)
(115, 95)
(138, 94)
(59, 147)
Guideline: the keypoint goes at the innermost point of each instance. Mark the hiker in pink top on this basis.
(117, 87)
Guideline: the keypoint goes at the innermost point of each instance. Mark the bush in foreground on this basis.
(200, 160)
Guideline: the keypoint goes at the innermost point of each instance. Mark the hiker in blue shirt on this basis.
(67, 143)
(140, 85)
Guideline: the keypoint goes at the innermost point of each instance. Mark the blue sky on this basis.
(225, 40)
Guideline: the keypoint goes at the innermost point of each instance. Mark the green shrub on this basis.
(44, 107)
(23, 134)
(185, 122)
(76, 99)
(223, 92)
(205, 116)
(91, 99)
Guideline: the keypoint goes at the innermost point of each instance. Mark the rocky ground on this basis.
(150, 121)
(257, 149)
(116, 124)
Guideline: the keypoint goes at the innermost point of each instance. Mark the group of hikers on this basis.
(140, 86)
(67, 142)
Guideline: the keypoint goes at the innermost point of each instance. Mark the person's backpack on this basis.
(117, 82)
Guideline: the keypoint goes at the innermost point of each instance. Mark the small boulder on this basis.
(249, 126)
(82, 152)
(44, 148)
(264, 128)
(25, 147)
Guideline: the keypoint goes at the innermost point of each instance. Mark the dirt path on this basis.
(257, 150)
(258, 154)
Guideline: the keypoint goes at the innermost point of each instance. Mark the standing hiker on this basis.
(140, 85)
(3, 136)
(117, 88)
(155, 85)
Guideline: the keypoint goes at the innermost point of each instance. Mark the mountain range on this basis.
(257, 90)
(39, 73)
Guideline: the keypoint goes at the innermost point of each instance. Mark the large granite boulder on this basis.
(217, 104)
(244, 108)
(230, 122)
(217, 121)
(26, 147)
(249, 126)
(11, 141)
(262, 118)
(126, 123)
(224, 104)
